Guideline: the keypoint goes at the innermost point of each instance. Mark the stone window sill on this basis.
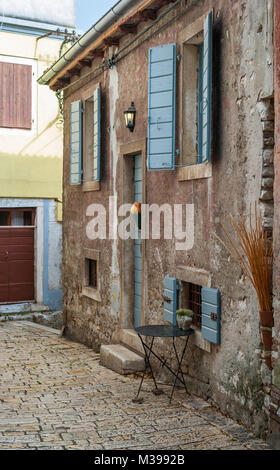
(91, 294)
(91, 186)
(199, 342)
(194, 172)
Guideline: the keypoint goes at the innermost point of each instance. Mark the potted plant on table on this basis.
(184, 318)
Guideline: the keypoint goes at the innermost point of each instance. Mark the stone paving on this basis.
(54, 394)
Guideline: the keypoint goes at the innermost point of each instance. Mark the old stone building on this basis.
(200, 74)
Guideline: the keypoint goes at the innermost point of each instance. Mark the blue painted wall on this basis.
(52, 296)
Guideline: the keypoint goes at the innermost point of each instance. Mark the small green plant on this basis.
(184, 313)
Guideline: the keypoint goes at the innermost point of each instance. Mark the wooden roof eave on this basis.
(146, 11)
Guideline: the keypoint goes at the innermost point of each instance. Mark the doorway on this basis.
(137, 179)
(132, 188)
(16, 255)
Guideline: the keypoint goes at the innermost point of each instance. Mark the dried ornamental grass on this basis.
(254, 254)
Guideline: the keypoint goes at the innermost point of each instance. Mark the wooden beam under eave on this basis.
(60, 84)
(85, 62)
(99, 43)
(128, 28)
(148, 14)
(97, 53)
(54, 87)
(76, 70)
(165, 2)
(111, 41)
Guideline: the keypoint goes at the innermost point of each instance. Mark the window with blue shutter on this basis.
(96, 134)
(196, 94)
(211, 315)
(161, 107)
(76, 142)
(206, 102)
(171, 287)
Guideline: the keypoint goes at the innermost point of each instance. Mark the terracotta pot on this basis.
(266, 324)
(266, 338)
(266, 318)
(267, 357)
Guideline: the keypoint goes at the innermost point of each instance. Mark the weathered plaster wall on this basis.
(87, 321)
(230, 376)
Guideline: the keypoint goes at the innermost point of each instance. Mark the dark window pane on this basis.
(92, 273)
(4, 218)
(27, 218)
(195, 303)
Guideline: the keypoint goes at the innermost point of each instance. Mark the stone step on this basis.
(47, 318)
(131, 339)
(120, 359)
(26, 307)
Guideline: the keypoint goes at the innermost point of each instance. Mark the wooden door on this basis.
(16, 262)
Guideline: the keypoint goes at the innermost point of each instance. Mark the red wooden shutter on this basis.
(15, 95)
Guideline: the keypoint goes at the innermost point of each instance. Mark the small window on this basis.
(90, 278)
(91, 266)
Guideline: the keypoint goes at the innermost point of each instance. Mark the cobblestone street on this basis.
(55, 395)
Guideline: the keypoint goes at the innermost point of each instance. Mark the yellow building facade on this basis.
(31, 153)
(31, 160)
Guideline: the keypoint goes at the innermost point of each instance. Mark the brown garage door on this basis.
(16, 264)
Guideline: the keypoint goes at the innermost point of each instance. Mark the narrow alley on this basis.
(54, 394)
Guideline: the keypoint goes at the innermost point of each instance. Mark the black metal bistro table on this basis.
(162, 331)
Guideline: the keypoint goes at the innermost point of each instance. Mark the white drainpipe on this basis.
(90, 36)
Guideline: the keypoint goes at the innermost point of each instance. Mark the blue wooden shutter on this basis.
(96, 134)
(161, 107)
(76, 142)
(207, 90)
(211, 315)
(170, 292)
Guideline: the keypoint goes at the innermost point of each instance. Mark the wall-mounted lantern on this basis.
(129, 116)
